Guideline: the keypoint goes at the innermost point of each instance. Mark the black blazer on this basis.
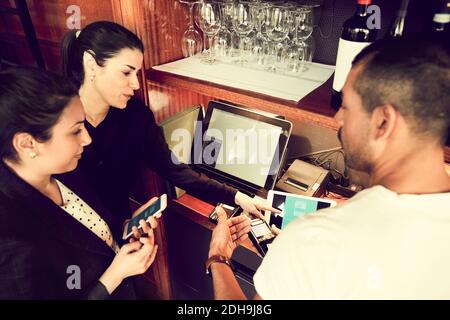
(39, 242)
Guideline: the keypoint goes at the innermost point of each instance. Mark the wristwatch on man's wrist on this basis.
(219, 259)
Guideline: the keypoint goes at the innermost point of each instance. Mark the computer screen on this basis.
(179, 132)
(246, 147)
(241, 146)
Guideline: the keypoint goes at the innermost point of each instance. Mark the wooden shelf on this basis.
(313, 108)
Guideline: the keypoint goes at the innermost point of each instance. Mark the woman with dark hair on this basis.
(105, 58)
(55, 238)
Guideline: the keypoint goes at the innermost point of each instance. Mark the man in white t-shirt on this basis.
(392, 240)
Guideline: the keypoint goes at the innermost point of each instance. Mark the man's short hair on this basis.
(413, 75)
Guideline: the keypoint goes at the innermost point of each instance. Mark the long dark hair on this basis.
(104, 39)
(31, 101)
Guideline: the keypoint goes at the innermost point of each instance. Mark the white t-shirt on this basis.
(378, 245)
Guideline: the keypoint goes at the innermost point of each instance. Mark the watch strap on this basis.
(219, 259)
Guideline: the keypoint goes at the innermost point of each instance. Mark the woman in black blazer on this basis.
(46, 250)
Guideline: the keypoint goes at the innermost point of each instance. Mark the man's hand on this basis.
(253, 206)
(228, 234)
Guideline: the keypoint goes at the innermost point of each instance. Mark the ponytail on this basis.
(72, 66)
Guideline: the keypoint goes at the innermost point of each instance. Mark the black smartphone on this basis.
(261, 235)
(228, 209)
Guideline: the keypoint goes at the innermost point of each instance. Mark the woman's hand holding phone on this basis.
(136, 256)
(150, 211)
(133, 258)
(144, 228)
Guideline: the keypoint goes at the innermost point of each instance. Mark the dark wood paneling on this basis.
(50, 17)
(50, 23)
(163, 27)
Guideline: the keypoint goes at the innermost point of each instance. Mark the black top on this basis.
(124, 141)
(42, 246)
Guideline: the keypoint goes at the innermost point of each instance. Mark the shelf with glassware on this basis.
(274, 38)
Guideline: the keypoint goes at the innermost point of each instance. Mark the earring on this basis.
(32, 154)
(92, 78)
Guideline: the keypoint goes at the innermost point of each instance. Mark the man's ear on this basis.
(384, 121)
(25, 145)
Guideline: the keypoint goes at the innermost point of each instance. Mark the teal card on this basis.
(295, 207)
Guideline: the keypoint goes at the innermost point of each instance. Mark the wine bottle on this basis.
(356, 35)
(397, 27)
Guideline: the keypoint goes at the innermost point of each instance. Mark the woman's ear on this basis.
(89, 63)
(384, 120)
(25, 145)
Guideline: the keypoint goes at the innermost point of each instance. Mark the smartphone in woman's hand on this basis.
(152, 209)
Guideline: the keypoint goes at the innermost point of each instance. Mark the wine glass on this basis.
(294, 55)
(309, 51)
(209, 18)
(191, 42)
(304, 28)
(243, 25)
(260, 41)
(223, 42)
(277, 28)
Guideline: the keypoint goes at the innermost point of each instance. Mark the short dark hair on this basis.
(103, 38)
(31, 101)
(413, 75)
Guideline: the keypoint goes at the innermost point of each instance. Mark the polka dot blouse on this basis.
(85, 215)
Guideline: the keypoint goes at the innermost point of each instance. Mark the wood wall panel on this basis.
(50, 23)
(49, 17)
(166, 100)
(163, 30)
